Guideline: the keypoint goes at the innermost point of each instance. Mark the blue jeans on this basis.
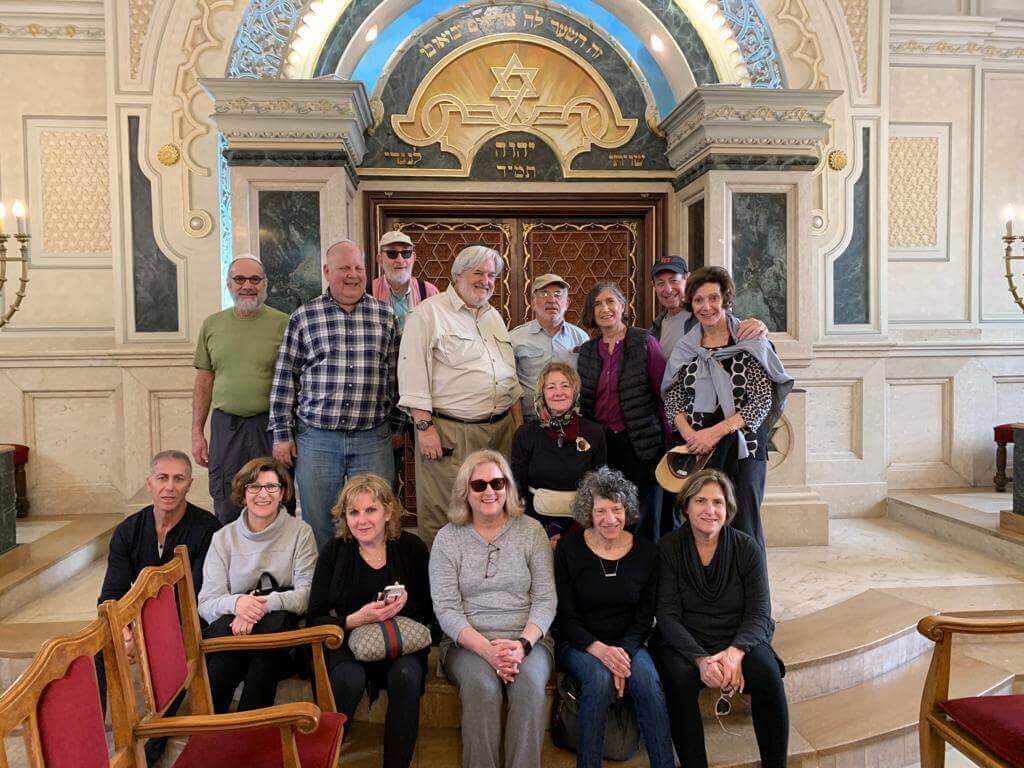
(597, 691)
(326, 459)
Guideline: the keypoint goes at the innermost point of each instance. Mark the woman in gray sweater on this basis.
(265, 541)
(493, 587)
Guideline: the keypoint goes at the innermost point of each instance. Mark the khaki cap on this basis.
(548, 279)
(394, 236)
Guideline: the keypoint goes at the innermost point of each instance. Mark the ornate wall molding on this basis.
(140, 12)
(857, 16)
(806, 49)
(263, 34)
(978, 37)
(913, 191)
(947, 48)
(285, 106)
(52, 27)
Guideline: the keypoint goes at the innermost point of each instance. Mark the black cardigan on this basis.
(591, 606)
(334, 582)
(740, 614)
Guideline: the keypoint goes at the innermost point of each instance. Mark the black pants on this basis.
(762, 680)
(640, 472)
(403, 678)
(748, 478)
(235, 440)
(259, 671)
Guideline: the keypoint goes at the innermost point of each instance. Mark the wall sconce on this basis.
(22, 237)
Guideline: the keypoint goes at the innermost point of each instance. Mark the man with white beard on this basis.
(234, 360)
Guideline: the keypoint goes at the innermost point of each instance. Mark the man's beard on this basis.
(250, 303)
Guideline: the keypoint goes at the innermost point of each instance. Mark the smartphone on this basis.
(391, 593)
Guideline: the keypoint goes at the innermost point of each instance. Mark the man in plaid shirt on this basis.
(335, 388)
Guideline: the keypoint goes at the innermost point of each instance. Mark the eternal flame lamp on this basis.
(18, 211)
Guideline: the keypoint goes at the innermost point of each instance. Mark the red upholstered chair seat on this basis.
(996, 721)
(261, 747)
(1004, 433)
(20, 454)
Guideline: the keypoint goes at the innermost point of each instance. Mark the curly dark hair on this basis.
(706, 275)
(608, 484)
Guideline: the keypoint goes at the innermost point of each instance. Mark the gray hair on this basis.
(475, 255)
(170, 454)
(587, 317)
(608, 484)
(246, 257)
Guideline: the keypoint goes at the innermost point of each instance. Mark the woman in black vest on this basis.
(620, 371)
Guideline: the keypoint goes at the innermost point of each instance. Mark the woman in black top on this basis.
(606, 583)
(371, 552)
(551, 455)
(724, 395)
(715, 622)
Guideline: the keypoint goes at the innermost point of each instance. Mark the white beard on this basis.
(249, 304)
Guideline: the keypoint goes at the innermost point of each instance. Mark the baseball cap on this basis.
(548, 279)
(675, 264)
(394, 236)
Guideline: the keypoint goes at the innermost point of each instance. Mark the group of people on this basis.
(539, 509)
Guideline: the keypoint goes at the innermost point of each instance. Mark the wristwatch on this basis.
(527, 646)
(424, 425)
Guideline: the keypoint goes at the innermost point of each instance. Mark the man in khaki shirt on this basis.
(457, 379)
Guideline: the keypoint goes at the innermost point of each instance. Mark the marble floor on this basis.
(27, 531)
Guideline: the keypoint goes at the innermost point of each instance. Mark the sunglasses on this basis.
(406, 254)
(479, 486)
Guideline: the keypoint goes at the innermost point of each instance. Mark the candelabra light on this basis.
(21, 237)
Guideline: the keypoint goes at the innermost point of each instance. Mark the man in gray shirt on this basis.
(545, 338)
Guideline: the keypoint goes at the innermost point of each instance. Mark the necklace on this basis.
(614, 571)
(374, 560)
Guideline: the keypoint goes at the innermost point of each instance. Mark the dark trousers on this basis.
(640, 472)
(154, 747)
(403, 678)
(235, 440)
(762, 681)
(258, 671)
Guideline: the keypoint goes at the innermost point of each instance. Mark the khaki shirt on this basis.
(454, 362)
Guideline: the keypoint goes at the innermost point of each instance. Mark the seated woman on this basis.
(371, 552)
(266, 550)
(551, 455)
(715, 622)
(724, 395)
(493, 588)
(606, 580)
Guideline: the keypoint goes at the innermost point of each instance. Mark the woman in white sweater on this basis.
(267, 551)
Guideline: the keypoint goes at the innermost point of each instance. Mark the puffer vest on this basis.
(640, 409)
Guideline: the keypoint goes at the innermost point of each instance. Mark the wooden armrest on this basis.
(328, 634)
(300, 714)
(934, 627)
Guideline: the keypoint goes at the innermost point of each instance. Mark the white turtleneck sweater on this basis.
(238, 556)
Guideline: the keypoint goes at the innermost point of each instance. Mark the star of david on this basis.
(504, 89)
(772, 447)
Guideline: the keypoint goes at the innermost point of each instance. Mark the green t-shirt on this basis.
(241, 352)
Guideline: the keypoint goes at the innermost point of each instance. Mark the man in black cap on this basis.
(669, 278)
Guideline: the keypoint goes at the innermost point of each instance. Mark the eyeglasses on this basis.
(479, 486)
(241, 280)
(558, 293)
(723, 708)
(405, 254)
(491, 568)
(255, 488)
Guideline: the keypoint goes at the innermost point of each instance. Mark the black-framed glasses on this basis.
(255, 488)
(406, 253)
(479, 486)
(241, 280)
(491, 568)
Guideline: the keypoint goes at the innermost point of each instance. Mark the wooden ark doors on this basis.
(584, 238)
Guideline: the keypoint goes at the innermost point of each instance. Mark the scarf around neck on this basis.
(708, 582)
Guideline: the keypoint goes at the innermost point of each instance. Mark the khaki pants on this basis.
(434, 478)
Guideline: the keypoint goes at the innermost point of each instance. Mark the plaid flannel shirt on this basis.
(336, 370)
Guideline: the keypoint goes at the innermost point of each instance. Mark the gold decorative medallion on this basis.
(168, 154)
(837, 160)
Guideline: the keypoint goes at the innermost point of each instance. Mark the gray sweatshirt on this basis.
(519, 591)
(238, 556)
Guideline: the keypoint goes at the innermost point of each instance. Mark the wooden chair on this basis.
(56, 703)
(170, 659)
(989, 730)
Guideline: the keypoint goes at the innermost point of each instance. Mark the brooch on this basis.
(582, 445)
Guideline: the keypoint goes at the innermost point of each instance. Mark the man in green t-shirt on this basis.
(235, 357)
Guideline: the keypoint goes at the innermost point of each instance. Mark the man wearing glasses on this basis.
(545, 338)
(395, 285)
(234, 360)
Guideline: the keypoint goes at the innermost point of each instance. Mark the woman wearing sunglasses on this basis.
(493, 587)
(551, 455)
(714, 622)
(256, 579)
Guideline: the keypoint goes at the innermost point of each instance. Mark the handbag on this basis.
(553, 503)
(621, 732)
(275, 621)
(388, 639)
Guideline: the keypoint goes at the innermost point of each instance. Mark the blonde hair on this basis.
(459, 511)
(380, 491)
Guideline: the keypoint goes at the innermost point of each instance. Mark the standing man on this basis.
(458, 381)
(234, 362)
(395, 285)
(669, 276)
(334, 388)
(546, 338)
